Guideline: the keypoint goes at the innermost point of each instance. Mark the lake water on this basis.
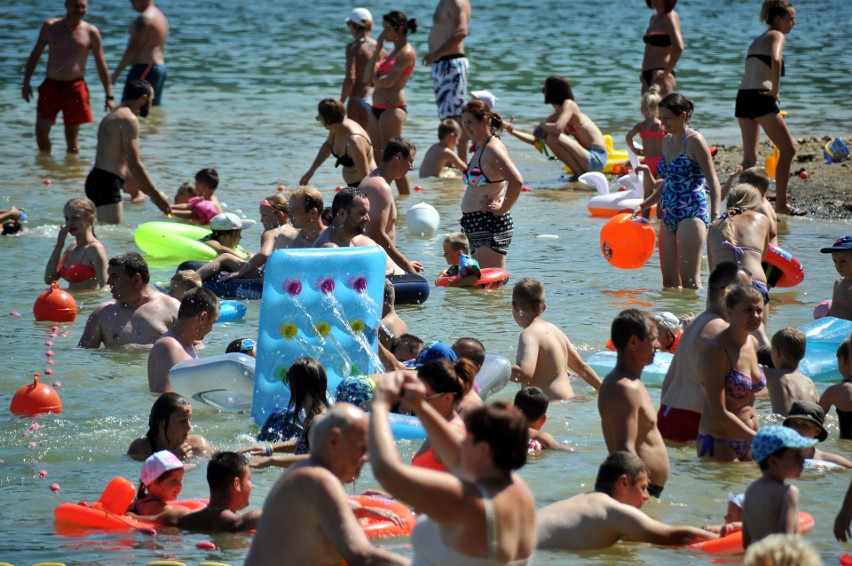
(241, 95)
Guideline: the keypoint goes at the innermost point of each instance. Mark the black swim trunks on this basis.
(484, 229)
(655, 490)
(103, 187)
(754, 103)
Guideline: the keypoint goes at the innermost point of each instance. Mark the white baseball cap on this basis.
(360, 17)
(158, 464)
(230, 221)
(485, 96)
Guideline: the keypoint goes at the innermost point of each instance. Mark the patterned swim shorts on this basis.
(449, 81)
(484, 229)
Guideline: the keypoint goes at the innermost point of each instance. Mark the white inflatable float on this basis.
(422, 220)
(225, 382)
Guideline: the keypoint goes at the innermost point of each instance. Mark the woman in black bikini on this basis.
(757, 99)
(347, 142)
(663, 47)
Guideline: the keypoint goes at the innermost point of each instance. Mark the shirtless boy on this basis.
(785, 383)
(68, 40)
(118, 156)
(592, 521)
(628, 418)
(146, 49)
(544, 352)
(199, 310)
(443, 154)
(841, 299)
(533, 403)
(137, 316)
(771, 506)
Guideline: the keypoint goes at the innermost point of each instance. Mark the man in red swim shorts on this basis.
(69, 40)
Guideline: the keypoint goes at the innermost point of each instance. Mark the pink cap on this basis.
(157, 464)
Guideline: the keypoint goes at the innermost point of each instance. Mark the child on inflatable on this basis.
(442, 155)
(841, 255)
(840, 394)
(770, 505)
(784, 382)
(808, 420)
(161, 481)
(227, 232)
(461, 263)
(733, 518)
(192, 207)
(533, 403)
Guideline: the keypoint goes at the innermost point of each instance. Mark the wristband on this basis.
(268, 450)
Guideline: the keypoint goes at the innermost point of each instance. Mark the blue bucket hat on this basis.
(770, 439)
(436, 350)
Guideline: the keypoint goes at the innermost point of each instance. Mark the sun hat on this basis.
(359, 17)
(668, 320)
(229, 221)
(843, 244)
(770, 439)
(737, 500)
(158, 464)
(436, 350)
(485, 96)
(808, 411)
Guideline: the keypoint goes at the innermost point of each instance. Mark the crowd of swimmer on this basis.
(474, 506)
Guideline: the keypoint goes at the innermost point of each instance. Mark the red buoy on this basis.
(35, 399)
(55, 305)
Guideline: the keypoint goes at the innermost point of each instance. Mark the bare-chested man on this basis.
(350, 212)
(137, 316)
(682, 398)
(628, 418)
(146, 49)
(198, 311)
(397, 161)
(592, 521)
(304, 211)
(69, 41)
(450, 24)
(118, 156)
(307, 518)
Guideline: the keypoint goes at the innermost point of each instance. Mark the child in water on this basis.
(650, 130)
(840, 394)
(443, 154)
(161, 481)
(182, 282)
(841, 299)
(461, 264)
(168, 429)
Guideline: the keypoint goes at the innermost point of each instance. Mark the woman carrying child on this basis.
(732, 376)
(161, 481)
(168, 429)
(84, 262)
(347, 142)
(686, 173)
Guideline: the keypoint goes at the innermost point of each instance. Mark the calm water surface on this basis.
(242, 91)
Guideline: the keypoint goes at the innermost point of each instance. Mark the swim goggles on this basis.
(247, 345)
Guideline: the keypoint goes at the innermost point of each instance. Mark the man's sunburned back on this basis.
(686, 390)
(551, 368)
(67, 49)
(155, 27)
(116, 130)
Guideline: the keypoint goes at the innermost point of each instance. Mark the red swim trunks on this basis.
(69, 97)
(678, 425)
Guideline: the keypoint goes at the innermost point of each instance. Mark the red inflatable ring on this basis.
(492, 278)
(781, 268)
(380, 528)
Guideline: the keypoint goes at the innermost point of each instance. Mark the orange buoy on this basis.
(627, 242)
(55, 305)
(35, 399)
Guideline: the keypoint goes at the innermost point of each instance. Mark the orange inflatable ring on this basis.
(781, 268)
(627, 242)
(733, 543)
(380, 528)
(108, 512)
(492, 278)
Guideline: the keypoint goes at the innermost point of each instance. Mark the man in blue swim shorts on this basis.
(146, 48)
(450, 24)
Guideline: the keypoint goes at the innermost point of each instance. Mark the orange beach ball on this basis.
(627, 242)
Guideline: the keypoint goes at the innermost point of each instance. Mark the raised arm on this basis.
(712, 368)
(51, 270)
(523, 136)
(404, 60)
